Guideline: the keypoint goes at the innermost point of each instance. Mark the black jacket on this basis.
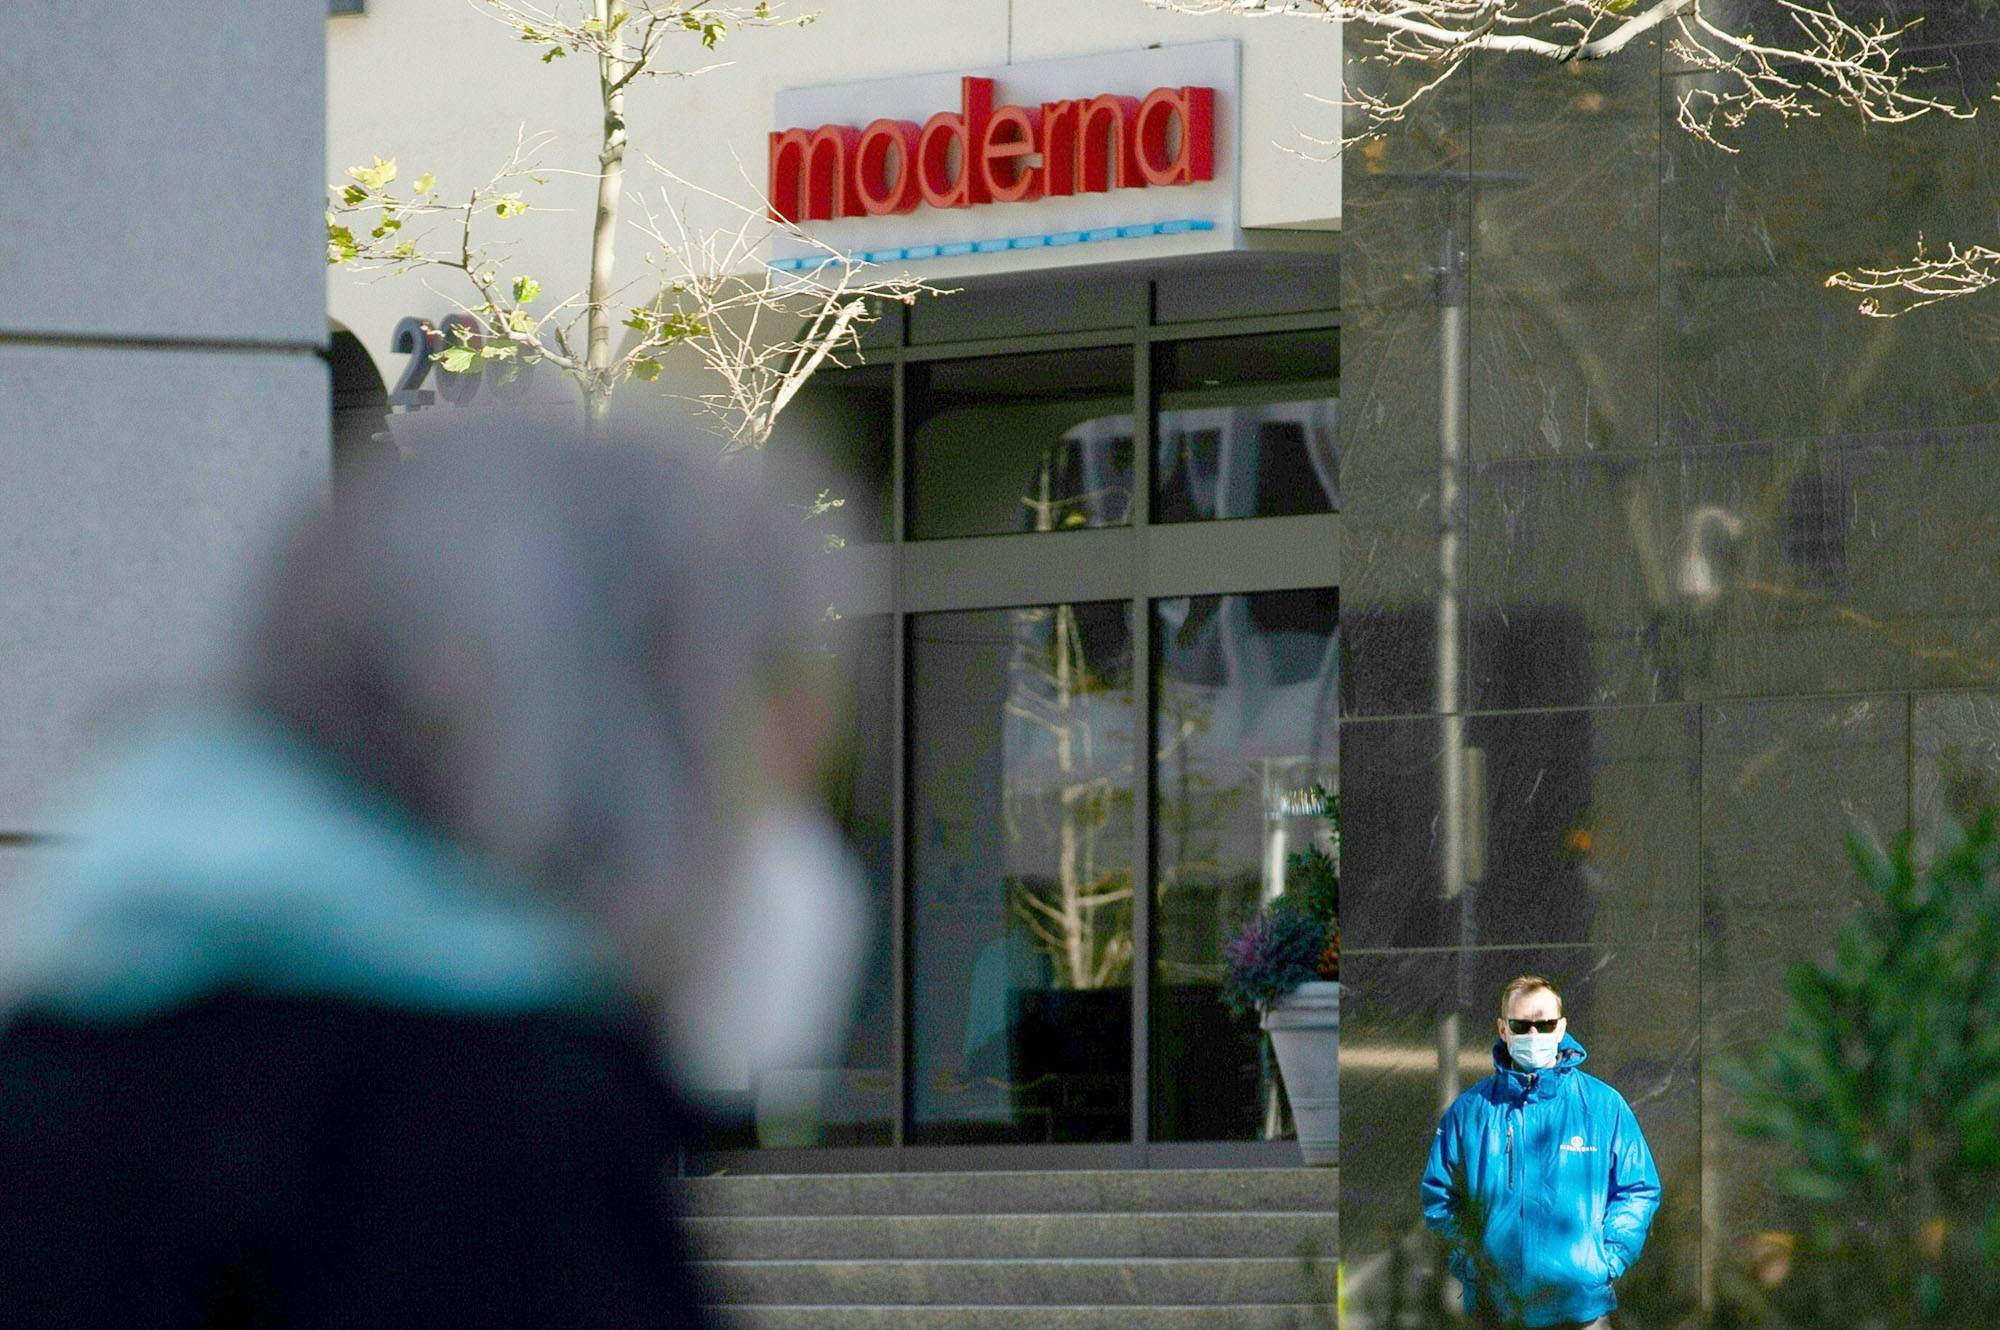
(261, 1161)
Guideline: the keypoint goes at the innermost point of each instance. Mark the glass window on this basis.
(1247, 427)
(1021, 853)
(835, 439)
(1021, 443)
(1247, 697)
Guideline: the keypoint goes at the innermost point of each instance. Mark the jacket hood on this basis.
(1569, 1055)
(217, 851)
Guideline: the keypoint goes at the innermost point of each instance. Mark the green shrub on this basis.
(1882, 1089)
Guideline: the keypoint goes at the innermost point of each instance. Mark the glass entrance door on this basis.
(1102, 571)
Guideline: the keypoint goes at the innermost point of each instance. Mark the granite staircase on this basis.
(1221, 1249)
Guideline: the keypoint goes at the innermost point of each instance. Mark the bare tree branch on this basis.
(1822, 59)
(719, 299)
(1830, 62)
(1925, 280)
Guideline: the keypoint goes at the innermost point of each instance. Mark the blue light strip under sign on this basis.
(919, 252)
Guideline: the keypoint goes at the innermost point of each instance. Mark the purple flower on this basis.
(1278, 949)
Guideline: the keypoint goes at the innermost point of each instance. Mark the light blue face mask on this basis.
(1534, 1051)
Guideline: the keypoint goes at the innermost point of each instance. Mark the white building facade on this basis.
(1090, 506)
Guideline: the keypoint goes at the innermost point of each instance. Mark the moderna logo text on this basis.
(982, 153)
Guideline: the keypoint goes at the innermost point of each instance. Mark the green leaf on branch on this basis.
(456, 359)
(553, 54)
(354, 196)
(406, 250)
(711, 29)
(341, 246)
(377, 176)
(646, 370)
(509, 205)
(425, 184)
(527, 290)
(679, 327)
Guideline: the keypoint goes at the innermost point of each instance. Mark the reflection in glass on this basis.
(1021, 443)
(1247, 427)
(1246, 689)
(835, 439)
(1021, 853)
(1956, 769)
(849, 1101)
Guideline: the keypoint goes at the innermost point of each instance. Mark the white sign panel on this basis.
(1092, 159)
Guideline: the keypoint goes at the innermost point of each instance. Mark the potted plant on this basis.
(1285, 964)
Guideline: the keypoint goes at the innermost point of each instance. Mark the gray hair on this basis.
(535, 645)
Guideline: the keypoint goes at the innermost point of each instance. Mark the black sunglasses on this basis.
(1539, 1027)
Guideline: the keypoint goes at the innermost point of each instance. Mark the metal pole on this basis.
(1451, 300)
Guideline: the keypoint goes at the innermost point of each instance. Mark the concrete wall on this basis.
(162, 309)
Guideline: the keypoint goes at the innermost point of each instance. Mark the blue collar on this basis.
(217, 850)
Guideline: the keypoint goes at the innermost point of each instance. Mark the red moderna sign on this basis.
(982, 153)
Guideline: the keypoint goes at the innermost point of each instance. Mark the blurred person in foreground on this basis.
(1539, 1180)
(364, 996)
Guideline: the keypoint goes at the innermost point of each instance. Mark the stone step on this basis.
(1187, 1191)
(1307, 1316)
(1244, 1233)
(1096, 1282)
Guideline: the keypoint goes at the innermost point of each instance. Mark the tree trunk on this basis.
(611, 71)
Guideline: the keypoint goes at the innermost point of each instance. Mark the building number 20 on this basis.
(422, 340)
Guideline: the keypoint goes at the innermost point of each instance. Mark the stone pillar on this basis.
(162, 321)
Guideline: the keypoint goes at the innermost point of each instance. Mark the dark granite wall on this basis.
(1730, 588)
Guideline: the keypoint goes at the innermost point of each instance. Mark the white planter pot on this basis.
(1305, 1034)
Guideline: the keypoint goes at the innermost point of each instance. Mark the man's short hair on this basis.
(1528, 983)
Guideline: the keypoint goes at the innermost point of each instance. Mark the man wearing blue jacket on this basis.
(1539, 1179)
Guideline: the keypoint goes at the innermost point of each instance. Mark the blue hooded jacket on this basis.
(1542, 1187)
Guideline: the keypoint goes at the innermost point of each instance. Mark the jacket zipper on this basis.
(1521, 1197)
